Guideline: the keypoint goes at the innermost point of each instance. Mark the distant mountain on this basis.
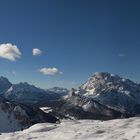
(103, 96)
(15, 116)
(26, 93)
(59, 90)
(4, 84)
(29, 94)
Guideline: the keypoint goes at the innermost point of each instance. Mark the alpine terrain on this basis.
(103, 96)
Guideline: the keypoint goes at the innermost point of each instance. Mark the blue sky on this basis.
(78, 37)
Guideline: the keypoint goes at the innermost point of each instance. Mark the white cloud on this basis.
(36, 52)
(9, 51)
(50, 71)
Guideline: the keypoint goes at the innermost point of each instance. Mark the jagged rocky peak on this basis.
(105, 81)
(4, 84)
(24, 86)
(100, 78)
(106, 76)
(2, 78)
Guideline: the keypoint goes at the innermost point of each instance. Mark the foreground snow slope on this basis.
(121, 129)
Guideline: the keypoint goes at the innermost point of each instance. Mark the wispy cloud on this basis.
(73, 83)
(36, 52)
(121, 55)
(9, 51)
(50, 71)
(13, 72)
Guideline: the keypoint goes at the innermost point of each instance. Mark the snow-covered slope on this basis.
(14, 116)
(121, 129)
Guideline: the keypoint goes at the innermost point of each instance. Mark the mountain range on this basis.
(29, 94)
(19, 105)
(103, 96)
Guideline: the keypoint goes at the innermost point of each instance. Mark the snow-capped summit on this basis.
(25, 87)
(102, 82)
(99, 80)
(103, 96)
(113, 91)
